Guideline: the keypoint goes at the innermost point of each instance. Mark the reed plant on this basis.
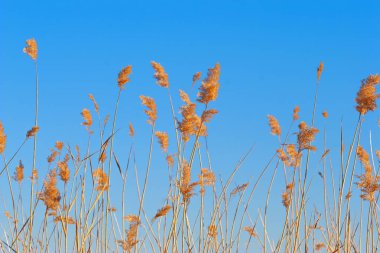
(71, 207)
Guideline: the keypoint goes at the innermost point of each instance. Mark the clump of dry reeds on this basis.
(199, 210)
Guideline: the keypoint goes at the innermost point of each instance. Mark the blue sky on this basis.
(268, 51)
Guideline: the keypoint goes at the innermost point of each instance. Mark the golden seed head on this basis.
(207, 115)
(65, 220)
(305, 136)
(59, 145)
(101, 180)
(31, 49)
(295, 113)
(368, 182)
(319, 246)
(184, 97)
(32, 132)
(64, 171)
(152, 108)
(123, 77)
(170, 161)
(212, 231)
(239, 189)
(19, 173)
(96, 106)
(319, 70)
(163, 139)
(87, 118)
(131, 130)
(3, 138)
(34, 176)
(52, 156)
(50, 194)
(162, 212)
(274, 125)
(250, 231)
(196, 77)
(209, 89)
(366, 96)
(160, 75)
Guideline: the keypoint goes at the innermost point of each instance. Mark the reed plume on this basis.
(295, 113)
(19, 173)
(163, 140)
(50, 194)
(160, 75)
(209, 89)
(96, 106)
(369, 183)
(152, 109)
(162, 212)
(123, 77)
(319, 70)
(305, 136)
(31, 49)
(131, 130)
(274, 125)
(87, 117)
(196, 78)
(64, 171)
(3, 138)
(32, 132)
(101, 179)
(366, 96)
(170, 161)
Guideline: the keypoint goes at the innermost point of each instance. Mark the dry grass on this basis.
(72, 211)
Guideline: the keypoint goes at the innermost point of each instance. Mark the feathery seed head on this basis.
(209, 89)
(31, 49)
(319, 70)
(160, 75)
(96, 106)
(274, 125)
(3, 138)
(152, 108)
(19, 173)
(123, 77)
(163, 139)
(87, 117)
(32, 132)
(366, 96)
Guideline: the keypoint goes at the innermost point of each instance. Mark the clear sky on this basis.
(268, 51)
